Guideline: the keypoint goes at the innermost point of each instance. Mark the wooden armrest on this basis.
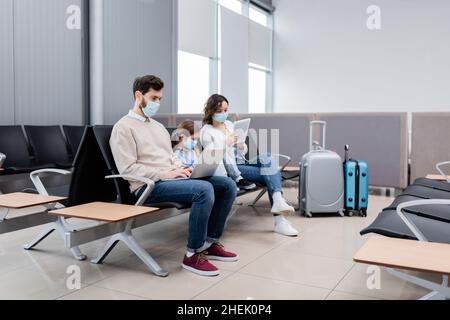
(20, 200)
(436, 177)
(292, 169)
(405, 254)
(106, 212)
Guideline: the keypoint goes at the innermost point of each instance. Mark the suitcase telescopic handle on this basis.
(312, 142)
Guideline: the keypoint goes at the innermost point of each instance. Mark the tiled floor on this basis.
(316, 265)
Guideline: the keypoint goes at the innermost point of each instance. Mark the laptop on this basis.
(207, 165)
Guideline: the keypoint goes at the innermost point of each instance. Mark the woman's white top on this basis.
(212, 138)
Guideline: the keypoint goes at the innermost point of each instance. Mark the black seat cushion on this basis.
(242, 192)
(17, 170)
(170, 205)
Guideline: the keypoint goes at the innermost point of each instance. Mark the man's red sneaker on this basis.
(217, 252)
(199, 264)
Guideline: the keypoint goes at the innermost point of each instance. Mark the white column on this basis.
(96, 61)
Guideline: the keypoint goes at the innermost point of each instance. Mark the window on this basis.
(260, 60)
(241, 43)
(193, 82)
(257, 90)
(234, 5)
(259, 16)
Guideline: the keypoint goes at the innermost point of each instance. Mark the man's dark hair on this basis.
(145, 83)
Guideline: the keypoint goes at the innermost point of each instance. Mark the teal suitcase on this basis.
(356, 186)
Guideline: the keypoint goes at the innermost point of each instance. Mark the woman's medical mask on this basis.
(220, 117)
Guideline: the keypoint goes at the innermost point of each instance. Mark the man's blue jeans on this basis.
(264, 172)
(211, 201)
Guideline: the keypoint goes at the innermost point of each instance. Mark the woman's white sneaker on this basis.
(281, 207)
(282, 226)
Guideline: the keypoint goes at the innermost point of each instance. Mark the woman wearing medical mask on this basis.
(218, 132)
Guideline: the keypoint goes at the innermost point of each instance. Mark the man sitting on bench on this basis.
(142, 147)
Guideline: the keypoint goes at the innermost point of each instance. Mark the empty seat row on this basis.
(432, 220)
(421, 213)
(34, 147)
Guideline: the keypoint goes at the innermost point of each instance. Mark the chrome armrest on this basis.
(419, 235)
(287, 160)
(150, 185)
(438, 168)
(37, 182)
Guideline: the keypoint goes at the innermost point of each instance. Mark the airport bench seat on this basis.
(426, 192)
(104, 212)
(19, 170)
(433, 183)
(123, 218)
(422, 189)
(389, 224)
(49, 145)
(410, 255)
(17, 201)
(16, 148)
(436, 177)
(405, 254)
(433, 234)
(97, 193)
(20, 200)
(436, 181)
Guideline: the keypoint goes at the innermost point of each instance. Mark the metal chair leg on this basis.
(44, 234)
(438, 291)
(60, 226)
(134, 246)
(258, 197)
(106, 249)
(131, 242)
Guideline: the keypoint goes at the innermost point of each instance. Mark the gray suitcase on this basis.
(322, 178)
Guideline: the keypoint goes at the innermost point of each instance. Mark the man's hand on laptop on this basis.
(178, 173)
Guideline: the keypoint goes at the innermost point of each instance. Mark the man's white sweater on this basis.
(142, 149)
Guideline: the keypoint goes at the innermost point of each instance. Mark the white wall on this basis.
(326, 59)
